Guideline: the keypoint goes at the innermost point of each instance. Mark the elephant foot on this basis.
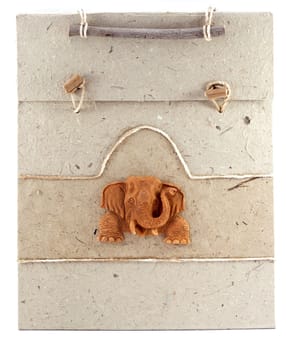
(110, 229)
(111, 237)
(178, 241)
(177, 232)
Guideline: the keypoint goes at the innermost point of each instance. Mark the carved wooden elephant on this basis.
(143, 205)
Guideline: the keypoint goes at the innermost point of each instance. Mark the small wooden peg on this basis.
(73, 84)
(218, 92)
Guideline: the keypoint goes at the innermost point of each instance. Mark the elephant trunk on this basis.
(145, 218)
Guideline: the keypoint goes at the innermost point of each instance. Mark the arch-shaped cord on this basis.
(121, 139)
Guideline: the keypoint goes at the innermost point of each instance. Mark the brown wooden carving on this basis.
(143, 205)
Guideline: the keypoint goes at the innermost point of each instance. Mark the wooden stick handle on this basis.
(147, 33)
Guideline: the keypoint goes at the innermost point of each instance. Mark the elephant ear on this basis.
(176, 198)
(113, 198)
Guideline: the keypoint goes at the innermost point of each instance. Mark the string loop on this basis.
(77, 108)
(75, 83)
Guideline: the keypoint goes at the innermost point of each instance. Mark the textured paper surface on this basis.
(146, 295)
(160, 83)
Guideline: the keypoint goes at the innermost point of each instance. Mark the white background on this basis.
(10, 337)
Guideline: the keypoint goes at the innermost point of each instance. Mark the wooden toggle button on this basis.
(218, 92)
(73, 84)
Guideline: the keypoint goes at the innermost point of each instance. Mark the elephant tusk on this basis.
(132, 227)
(155, 232)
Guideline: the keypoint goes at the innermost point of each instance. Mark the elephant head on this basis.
(144, 202)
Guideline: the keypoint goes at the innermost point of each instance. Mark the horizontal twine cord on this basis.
(122, 138)
(27, 261)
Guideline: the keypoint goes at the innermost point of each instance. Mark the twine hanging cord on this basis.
(208, 23)
(83, 24)
(121, 139)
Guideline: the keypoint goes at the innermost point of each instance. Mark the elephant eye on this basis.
(172, 191)
(131, 200)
